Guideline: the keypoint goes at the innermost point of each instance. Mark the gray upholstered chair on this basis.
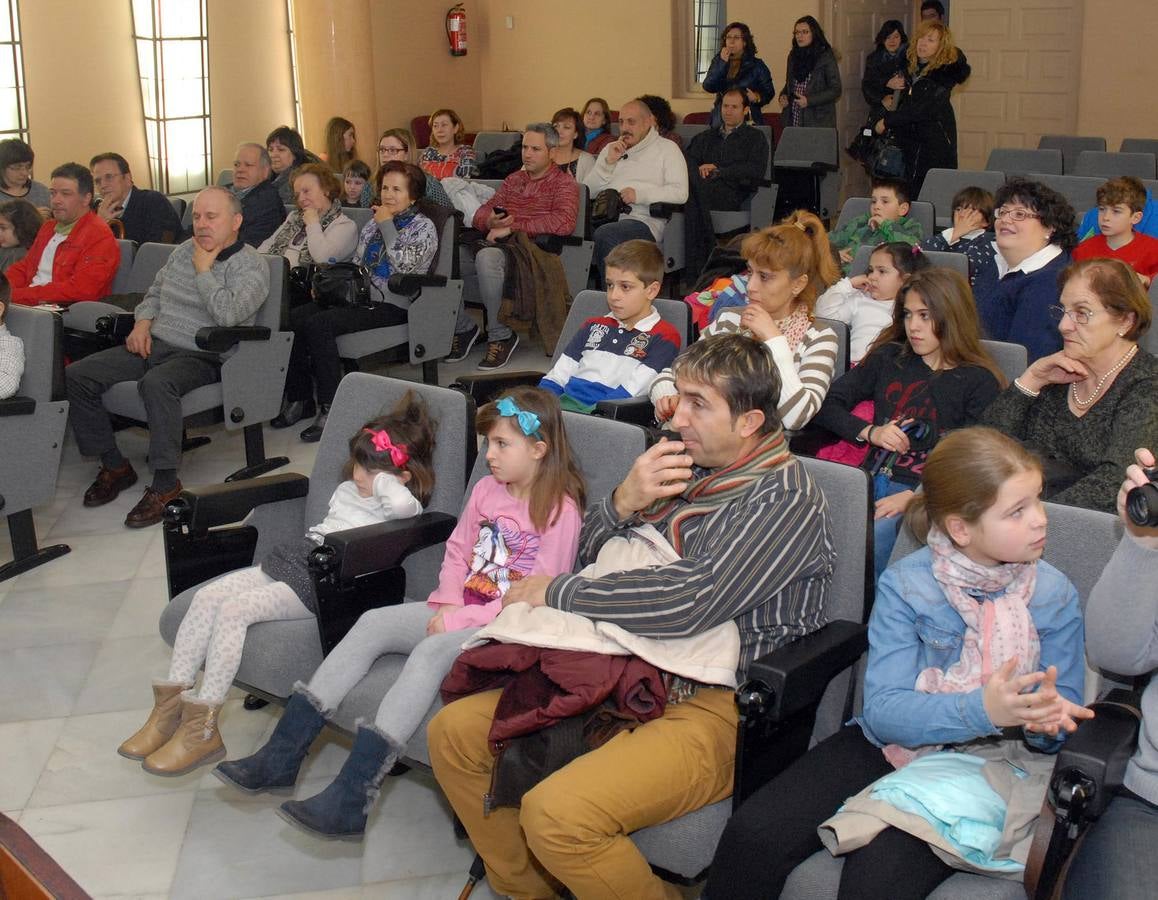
(815, 153)
(1080, 190)
(759, 210)
(434, 301)
(943, 258)
(919, 210)
(1100, 164)
(840, 329)
(488, 142)
(32, 425)
(252, 378)
(942, 184)
(280, 508)
(1020, 161)
(1070, 146)
(1012, 359)
(1080, 544)
(358, 216)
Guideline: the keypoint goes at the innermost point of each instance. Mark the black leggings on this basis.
(775, 830)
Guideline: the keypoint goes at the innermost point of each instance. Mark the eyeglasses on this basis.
(392, 150)
(1014, 214)
(1077, 316)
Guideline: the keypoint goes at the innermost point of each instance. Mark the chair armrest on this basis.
(222, 504)
(664, 210)
(355, 552)
(116, 327)
(484, 388)
(793, 678)
(220, 339)
(17, 406)
(636, 410)
(1093, 758)
(572, 240)
(805, 165)
(411, 285)
(549, 243)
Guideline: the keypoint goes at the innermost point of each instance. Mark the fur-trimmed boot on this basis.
(160, 725)
(196, 742)
(340, 810)
(276, 765)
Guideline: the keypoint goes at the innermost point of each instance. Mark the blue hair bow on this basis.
(528, 421)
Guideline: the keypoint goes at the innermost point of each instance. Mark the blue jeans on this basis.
(1117, 857)
(885, 531)
(608, 237)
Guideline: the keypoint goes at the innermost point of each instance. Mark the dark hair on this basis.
(819, 41)
(740, 368)
(950, 302)
(1117, 288)
(1126, 189)
(642, 259)
(558, 477)
(745, 32)
(292, 141)
(576, 119)
(888, 28)
(415, 178)
(122, 163)
(358, 169)
(78, 173)
(5, 296)
(896, 185)
(935, 5)
(976, 198)
(327, 180)
(25, 218)
(606, 112)
(13, 151)
(410, 425)
(1053, 210)
(665, 117)
(907, 258)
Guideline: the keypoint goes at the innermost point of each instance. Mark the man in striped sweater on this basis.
(617, 356)
(211, 280)
(752, 532)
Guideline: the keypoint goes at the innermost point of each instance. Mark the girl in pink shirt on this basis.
(523, 519)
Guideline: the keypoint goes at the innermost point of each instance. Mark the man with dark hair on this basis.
(210, 280)
(75, 255)
(262, 209)
(725, 166)
(933, 11)
(750, 533)
(146, 216)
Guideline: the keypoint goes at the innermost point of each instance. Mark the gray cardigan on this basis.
(1122, 637)
(823, 91)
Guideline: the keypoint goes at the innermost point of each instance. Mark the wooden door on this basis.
(851, 26)
(1026, 59)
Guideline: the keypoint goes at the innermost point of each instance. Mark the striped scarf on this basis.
(720, 487)
(293, 232)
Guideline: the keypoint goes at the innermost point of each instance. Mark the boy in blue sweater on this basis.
(618, 355)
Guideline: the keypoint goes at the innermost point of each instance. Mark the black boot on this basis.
(276, 764)
(292, 412)
(313, 434)
(341, 809)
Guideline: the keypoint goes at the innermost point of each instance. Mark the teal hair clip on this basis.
(528, 422)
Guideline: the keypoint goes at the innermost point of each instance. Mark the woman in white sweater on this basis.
(790, 265)
(317, 231)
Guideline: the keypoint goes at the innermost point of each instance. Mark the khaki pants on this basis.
(573, 827)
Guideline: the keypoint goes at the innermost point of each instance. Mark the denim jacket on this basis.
(912, 627)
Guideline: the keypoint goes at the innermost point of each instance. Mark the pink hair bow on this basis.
(382, 443)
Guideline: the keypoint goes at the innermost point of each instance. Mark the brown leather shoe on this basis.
(109, 484)
(150, 508)
(162, 722)
(196, 742)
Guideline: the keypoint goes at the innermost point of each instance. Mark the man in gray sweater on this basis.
(1116, 858)
(211, 280)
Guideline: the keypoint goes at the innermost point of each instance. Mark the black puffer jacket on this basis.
(924, 124)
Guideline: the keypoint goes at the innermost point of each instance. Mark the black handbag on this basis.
(340, 284)
(886, 159)
(607, 207)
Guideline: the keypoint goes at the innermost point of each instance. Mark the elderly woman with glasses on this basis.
(1016, 279)
(1085, 408)
(398, 145)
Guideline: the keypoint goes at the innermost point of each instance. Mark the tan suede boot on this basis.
(160, 725)
(196, 742)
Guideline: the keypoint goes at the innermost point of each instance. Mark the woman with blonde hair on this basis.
(924, 123)
(398, 145)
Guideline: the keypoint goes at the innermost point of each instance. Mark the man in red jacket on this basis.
(75, 255)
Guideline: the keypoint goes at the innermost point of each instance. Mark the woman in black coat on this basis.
(924, 123)
(885, 67)
(737, 66)
(809, 98)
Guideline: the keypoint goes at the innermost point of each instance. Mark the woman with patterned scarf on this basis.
(398, 239)
(317, 231)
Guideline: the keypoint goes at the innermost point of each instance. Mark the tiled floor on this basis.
(78, 647)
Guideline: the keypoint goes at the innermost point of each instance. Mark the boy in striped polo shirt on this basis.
(618, 355)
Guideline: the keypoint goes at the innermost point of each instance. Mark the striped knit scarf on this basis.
(294, 231)
(719, 488)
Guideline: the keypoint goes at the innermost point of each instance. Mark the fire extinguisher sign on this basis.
(456, 29)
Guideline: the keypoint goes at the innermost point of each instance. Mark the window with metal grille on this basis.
(708, 20)
(172, 41)
(13, 106)
(293, 49)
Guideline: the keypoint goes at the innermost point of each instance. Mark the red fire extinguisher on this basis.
(456, 29)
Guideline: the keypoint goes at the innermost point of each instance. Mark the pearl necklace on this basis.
(1101, 381)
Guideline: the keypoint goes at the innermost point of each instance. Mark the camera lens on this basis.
(1142, 505)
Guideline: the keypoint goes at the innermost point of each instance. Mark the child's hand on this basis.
(860, 282)
(436, 625)
(889, 437)
(1007, 705)
(846, 256)
(1061, 714)
(874, 222)
(892, 505)
(665, 407)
